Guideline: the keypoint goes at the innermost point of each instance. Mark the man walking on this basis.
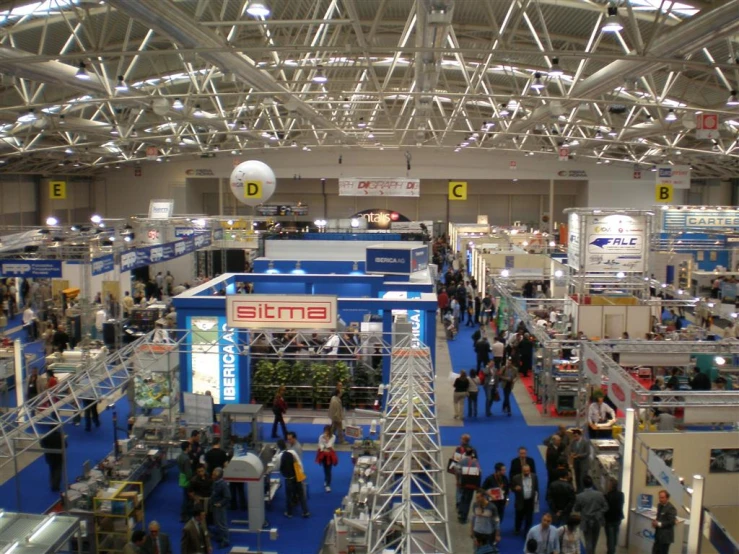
(525, 486)
(664, 524)
(336, 415)
(220, 499)
(497, 487)
(507, 377)
(592, 506)
(544, 536)
(291, 468)
(156, 542)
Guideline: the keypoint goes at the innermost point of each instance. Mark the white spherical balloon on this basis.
(253, 182)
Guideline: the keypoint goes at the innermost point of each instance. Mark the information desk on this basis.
(641, 532)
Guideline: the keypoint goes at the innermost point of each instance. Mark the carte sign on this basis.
(268, 311)
(31, 268)
(400, 186)
(699, 219)
(615, 243)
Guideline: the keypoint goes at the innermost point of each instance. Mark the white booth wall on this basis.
(600, 321)
(691, 456)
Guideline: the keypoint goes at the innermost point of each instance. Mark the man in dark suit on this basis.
(561, 499)
(156, 542)
(525, 486)
(523, 460)
(664, 524)
(195, 537)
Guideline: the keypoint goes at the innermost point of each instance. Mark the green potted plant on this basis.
(320, 376)
(263, 381)
(299, 378)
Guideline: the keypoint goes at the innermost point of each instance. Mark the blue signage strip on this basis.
(183, 232)
(389, 261)
(147, 255)
(31, 268)
(103, 264)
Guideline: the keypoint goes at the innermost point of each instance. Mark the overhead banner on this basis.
(31, 268)
(615, 243)
(282, 209)
(141, 257)
(103, 264)
(676, 175)
(396, 261)
(380, 219)
(400, 186)
(269, 311)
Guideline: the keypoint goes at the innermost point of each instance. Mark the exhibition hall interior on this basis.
(369, 276)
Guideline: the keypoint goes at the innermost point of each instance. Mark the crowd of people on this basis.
(577, 511)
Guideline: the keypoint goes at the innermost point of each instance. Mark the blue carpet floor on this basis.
(496, 438)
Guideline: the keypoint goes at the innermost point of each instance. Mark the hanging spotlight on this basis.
(537, 84)
(555, 71)
(319, 76)
(61, 120)
(96, 219)
(198, 112)
(121, 86)
(598, 134)
(82, 72)
(177, 104)
(257, 8)
(242, 126)
(51, 221)
(612, 132)
(612, 24)
(370, 134)
(733, 99)
(671, 116)
(361, 123)
(346, 105)
(504, 110)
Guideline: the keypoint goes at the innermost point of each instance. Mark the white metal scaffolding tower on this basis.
(409, 514)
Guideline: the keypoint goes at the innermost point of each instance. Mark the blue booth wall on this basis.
(206, 304)
(723, 257)
(262, 265)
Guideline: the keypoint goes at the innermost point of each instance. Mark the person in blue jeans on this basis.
(485, 523)
(220, 499)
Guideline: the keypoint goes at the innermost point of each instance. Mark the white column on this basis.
(627, 469)
(696, 510)
(551, 206)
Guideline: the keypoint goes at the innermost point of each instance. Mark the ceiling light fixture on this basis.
(671, 115)
(177, 104)
(82, 72)
(27, 117)
(242, 126)
(198, 112)
(257, 8)
(319, 76)
(537, 84)
(555, 71)
(733, 99)
(612, 24)
(346, 105)
(370, 134)
(598, 134)
(121, 86)
(361, 123)
(612, 132)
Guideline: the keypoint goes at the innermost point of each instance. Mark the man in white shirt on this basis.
(498, 349)
(331, 346)
(29, 323)
(601, 418)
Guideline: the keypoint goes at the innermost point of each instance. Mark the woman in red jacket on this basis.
(326, 455)
(279, 408)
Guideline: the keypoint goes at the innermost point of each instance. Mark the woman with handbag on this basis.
(326, 455)
(279, 408)
(461, 388)
(470, 477)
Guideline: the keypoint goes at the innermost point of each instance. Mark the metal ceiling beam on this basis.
(692, 35)
(170, 21)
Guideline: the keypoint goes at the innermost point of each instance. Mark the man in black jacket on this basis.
(555, 451)
(664, 524)
(700, 380)
(498, 480)
(54, 442)
(561, 499)
(294, 489)
(216, 456)
(518, 463)
(482, 349)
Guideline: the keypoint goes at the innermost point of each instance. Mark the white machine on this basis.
(249, 469)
